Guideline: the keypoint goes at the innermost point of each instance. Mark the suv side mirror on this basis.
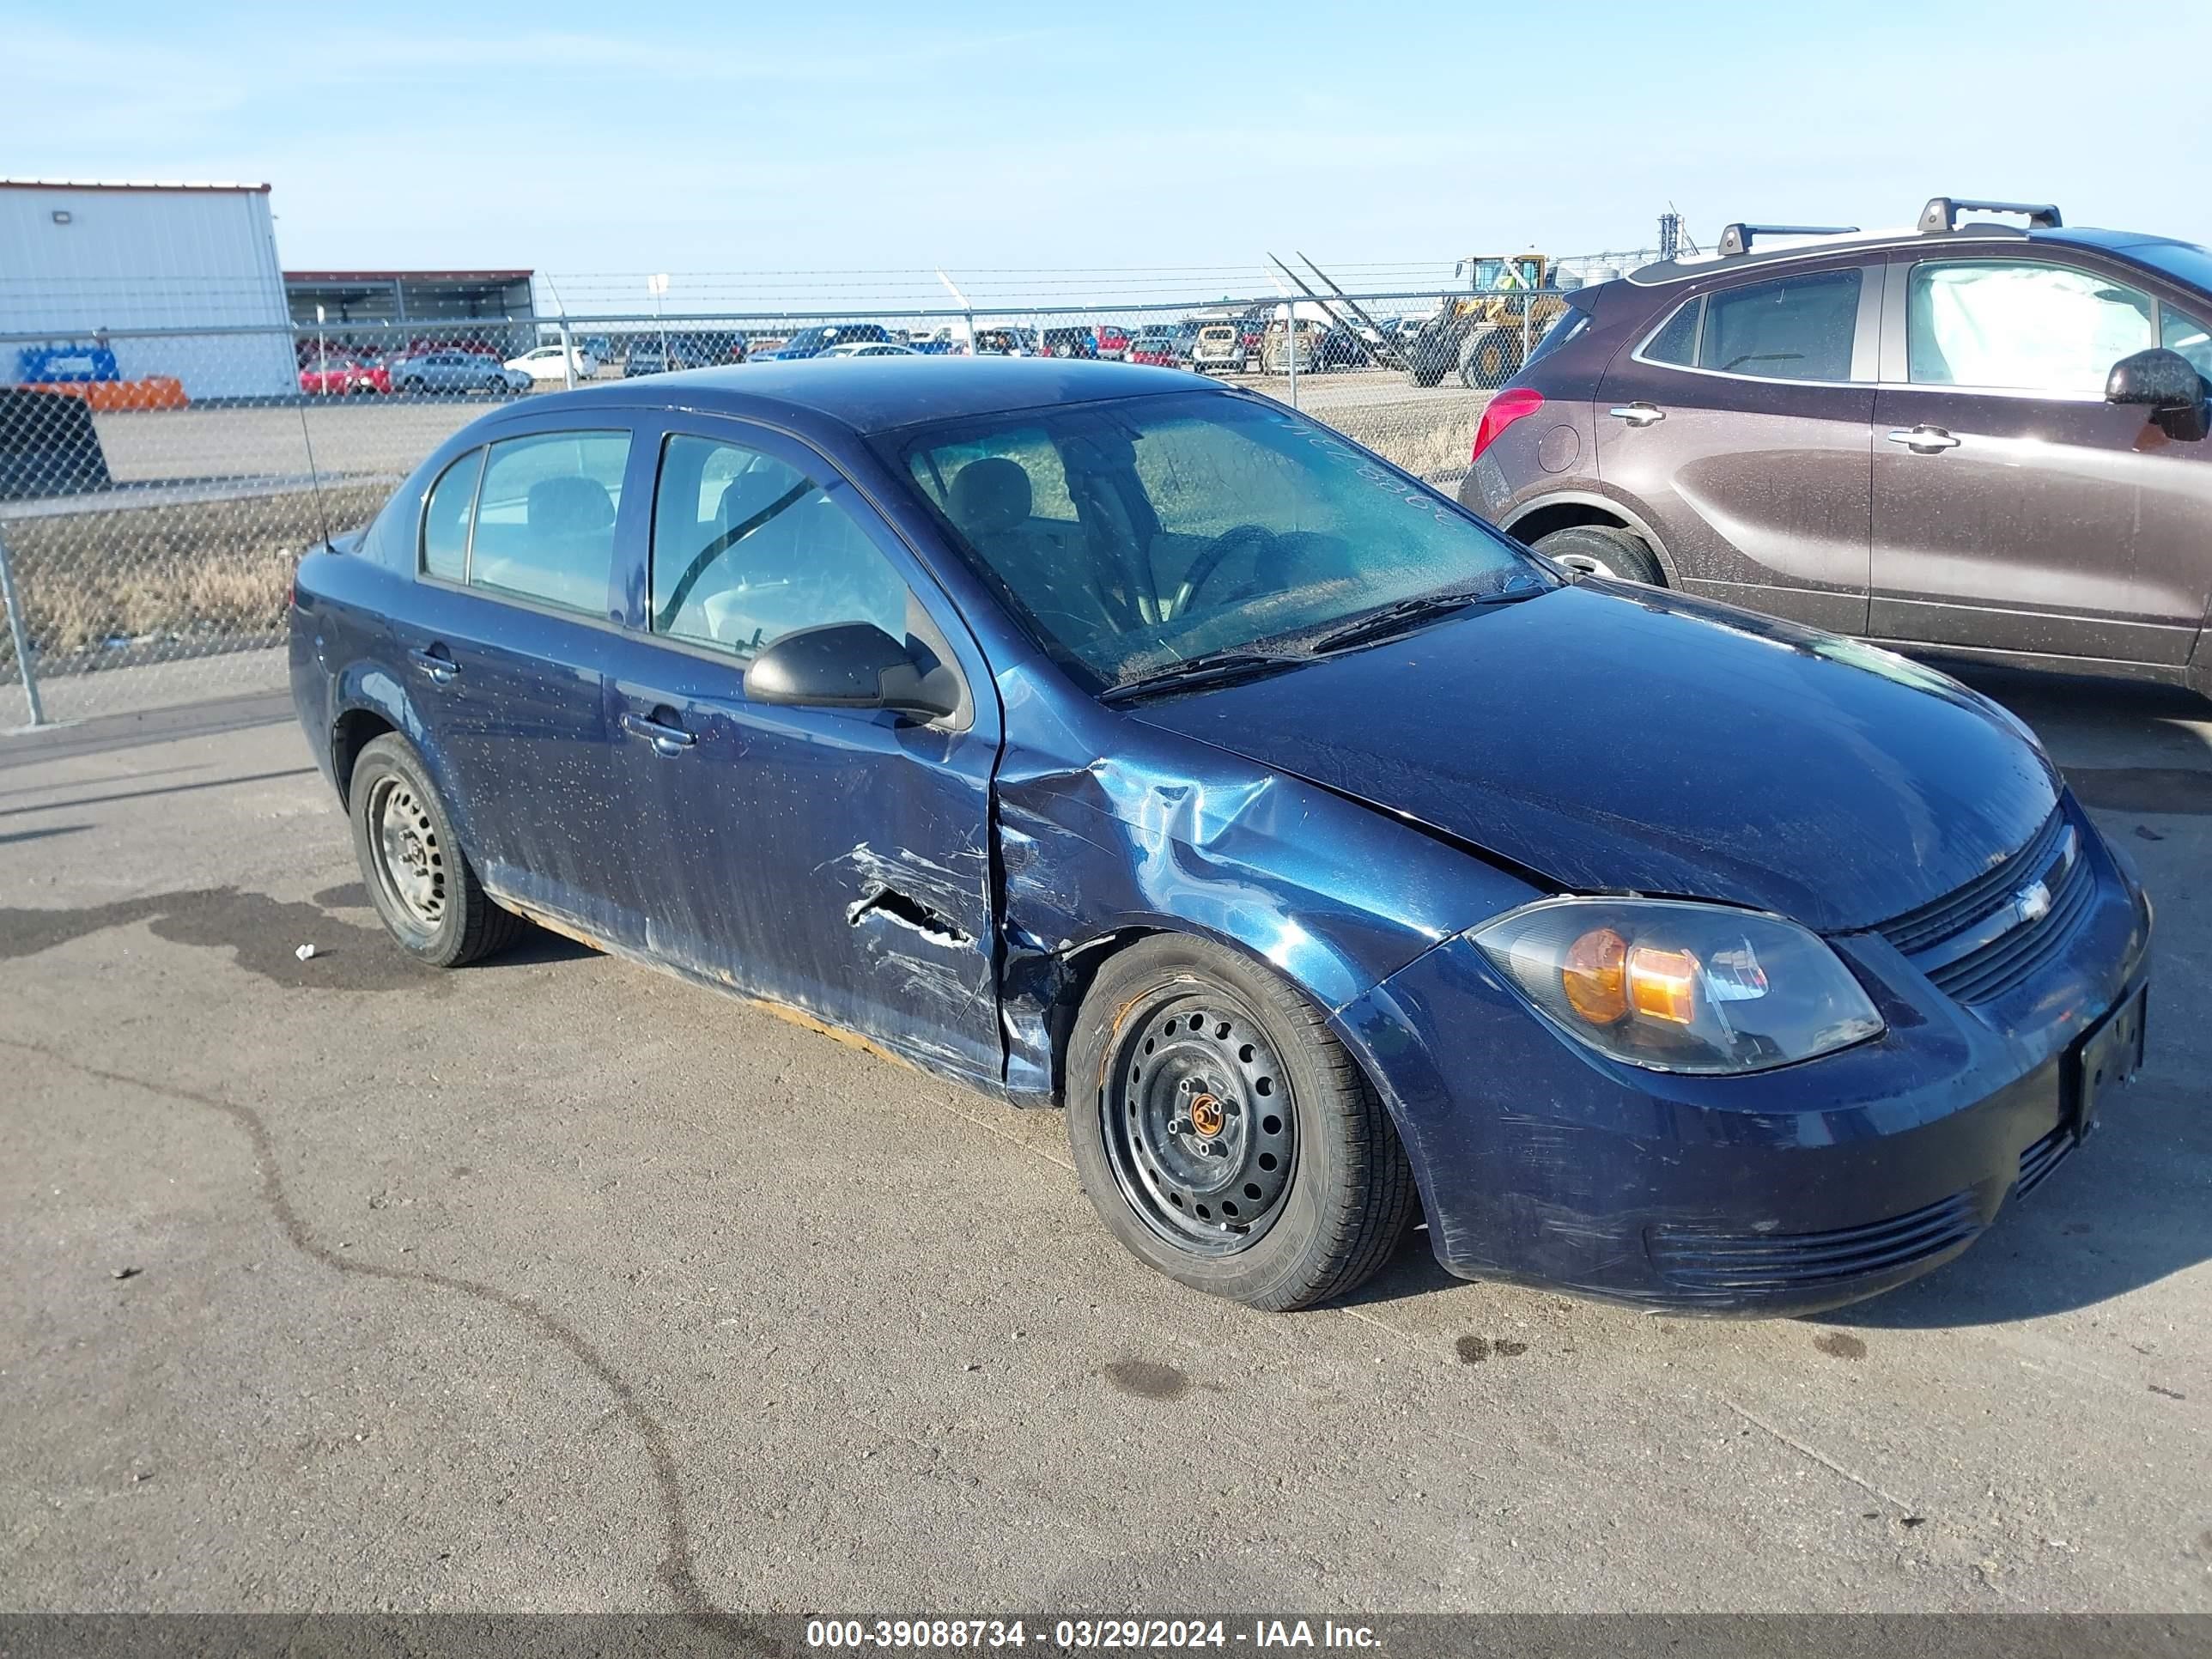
(2168, 385)
(850, 665)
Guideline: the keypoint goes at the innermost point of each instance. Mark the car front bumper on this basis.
(1784, 1192)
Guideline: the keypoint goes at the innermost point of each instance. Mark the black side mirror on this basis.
(2167, 385)
(850, 665)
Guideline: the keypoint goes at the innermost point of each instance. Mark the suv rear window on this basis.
(1569, 323)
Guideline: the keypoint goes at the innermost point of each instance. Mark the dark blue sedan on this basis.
(1113, 740)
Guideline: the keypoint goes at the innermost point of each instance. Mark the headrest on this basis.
(568, 505)
(990, 496)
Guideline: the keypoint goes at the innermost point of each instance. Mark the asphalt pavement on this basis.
(557, 1284)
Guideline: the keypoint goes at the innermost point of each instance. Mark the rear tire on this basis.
(1598, 550)
(420, 882)
(1225, 1135)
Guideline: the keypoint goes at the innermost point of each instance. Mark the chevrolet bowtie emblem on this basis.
(2033, 902)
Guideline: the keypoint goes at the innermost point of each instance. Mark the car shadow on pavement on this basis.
(2126, 1210)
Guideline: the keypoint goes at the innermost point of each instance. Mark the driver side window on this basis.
(747, 549)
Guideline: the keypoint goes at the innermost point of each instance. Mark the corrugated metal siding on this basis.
(133, 258)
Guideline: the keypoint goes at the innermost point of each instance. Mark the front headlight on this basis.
(1679, 986)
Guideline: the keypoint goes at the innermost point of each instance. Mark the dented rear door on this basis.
(833, 862)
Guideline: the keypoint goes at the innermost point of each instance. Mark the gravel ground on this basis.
(555, 1284)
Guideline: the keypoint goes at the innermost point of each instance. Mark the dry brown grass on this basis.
(195, 573)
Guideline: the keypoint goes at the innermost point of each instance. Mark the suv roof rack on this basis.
(1738, 239)
(1942, 213)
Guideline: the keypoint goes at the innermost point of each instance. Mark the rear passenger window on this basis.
(1676, 343)
(1798, 329)
(545, 519)
(446, 519)
(746, 549)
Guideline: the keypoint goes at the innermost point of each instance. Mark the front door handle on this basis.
(1926, 440)
(1637, 414)
(435, 663)
(668, 741)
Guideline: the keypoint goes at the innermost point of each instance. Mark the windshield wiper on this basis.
(1214, 668)
(1397, 618)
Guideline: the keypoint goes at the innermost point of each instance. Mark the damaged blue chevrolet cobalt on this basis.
(1110, 739)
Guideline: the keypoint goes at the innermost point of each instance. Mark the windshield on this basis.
(1131, 536)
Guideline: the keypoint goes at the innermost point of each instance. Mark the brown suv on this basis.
(1967, 439)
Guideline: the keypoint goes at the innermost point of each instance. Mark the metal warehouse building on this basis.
(84, 265)
(401, 296)
(373, 308)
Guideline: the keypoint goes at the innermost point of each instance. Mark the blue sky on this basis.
(998, 139)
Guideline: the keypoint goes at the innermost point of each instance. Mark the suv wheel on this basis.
(1598, 550)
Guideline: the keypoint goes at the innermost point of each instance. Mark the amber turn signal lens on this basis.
(1663, 984)
(1594, 977)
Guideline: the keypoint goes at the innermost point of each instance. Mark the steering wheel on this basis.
(1209, 560)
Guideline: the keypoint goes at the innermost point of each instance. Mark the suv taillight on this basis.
(1501, 412)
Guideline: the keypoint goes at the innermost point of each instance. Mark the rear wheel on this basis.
(1600, 549)
(418, 878)
(1223, 1134)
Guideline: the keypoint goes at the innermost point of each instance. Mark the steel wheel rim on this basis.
(410, 865)
(1587, 564)
(1199, 1123)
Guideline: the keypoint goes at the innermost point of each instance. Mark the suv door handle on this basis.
(1926, 440)
(668, 741)
(1637, 414)
(436, 663)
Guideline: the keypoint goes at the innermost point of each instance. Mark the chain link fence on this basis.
(156, 486)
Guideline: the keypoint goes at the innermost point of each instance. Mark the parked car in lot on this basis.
(1219, 345)
(1154, 344)
(1075, 783)
(654, 356)
(1967, 439)
(455, 370)
(870, 348)
(342, 374)
(813, 342)
(544, 363)
(1111, 341)
(1068, 342)
(1006, 342)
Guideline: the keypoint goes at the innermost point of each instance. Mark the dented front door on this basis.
(833, 862)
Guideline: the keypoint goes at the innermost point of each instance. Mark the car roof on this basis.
(878, 394)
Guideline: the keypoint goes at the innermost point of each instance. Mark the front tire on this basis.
(1225, 1135)
(1491, 359)
(421, 883)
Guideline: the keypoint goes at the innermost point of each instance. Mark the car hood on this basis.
(1610, 738)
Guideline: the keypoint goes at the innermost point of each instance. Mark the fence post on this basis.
(20, 633)
(568, 357)
(1290, 340)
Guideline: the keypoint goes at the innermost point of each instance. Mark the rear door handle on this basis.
(666, 740)
(435, 663)
(1926, 440)
(1637, 414)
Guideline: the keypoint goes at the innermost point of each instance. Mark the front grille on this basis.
(1983, 939)
(2041, 1159)
(1744, 1264)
